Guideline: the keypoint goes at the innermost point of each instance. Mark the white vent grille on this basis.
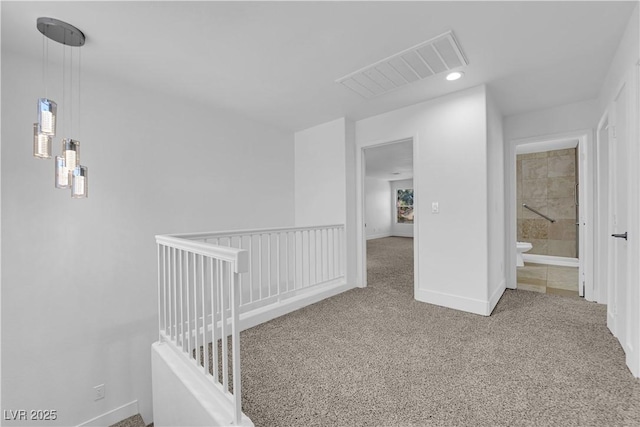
(440, 54)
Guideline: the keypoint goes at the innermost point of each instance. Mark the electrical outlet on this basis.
(98, 392)
(435, 207)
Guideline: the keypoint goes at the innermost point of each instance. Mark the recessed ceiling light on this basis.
(455, 75)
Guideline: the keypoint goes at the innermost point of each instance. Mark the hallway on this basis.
(375, 357)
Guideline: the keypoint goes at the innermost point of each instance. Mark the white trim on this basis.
(470, 305)
(113, 416)
(379, 236)
(280, 308)
(551, 260)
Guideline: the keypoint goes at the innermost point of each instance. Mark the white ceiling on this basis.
(390, 162)
(277, 62)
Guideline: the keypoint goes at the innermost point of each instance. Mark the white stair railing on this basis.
(198, 307)
(283, 262)
(207, 280)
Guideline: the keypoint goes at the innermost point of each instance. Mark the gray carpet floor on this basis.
(377, 357)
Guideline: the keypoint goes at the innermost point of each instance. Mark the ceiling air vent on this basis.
(434, 56)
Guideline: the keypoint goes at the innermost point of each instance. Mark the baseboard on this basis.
(378, 236)
(402, 234)
(495, 297)
(470, 305)
(269, 312)
(113, 416)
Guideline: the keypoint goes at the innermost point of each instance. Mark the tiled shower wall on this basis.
(547, 182)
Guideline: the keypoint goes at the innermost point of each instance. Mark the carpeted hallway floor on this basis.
(376, 357)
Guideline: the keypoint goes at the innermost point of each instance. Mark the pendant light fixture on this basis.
(69, 174)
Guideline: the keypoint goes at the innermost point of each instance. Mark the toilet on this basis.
(521, 247)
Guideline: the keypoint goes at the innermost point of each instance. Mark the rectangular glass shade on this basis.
(62, 173)
(71, 153)
(47, 111)
(41, 144)
(80, 182)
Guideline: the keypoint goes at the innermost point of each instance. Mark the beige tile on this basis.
(535, 229)
(561, 166)
(562, 208)
(519, 169)
(519, 229)
(534, 188)
(540, 246)
(563, 229)
(538, 204)
(519, 189)
(532, 272)
(561, 186)
(541, 155)
(562, 277)
(533, 288)
(534, 169)
(562, 292)
(566, 248)
(563, 152)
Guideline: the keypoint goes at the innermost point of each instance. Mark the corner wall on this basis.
(497, 244)
(450, 163)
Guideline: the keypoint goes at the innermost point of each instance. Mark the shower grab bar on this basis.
(524, 205)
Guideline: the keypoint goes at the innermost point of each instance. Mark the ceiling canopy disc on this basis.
(60, 31)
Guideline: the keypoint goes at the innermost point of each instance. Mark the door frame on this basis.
(361, 235)
(585, 194)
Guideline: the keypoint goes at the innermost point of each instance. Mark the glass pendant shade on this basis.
(62, 173)
(41, 144)
(71, 153)
(80, 182)
(47, 110)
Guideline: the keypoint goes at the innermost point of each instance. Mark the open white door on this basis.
(619, 174)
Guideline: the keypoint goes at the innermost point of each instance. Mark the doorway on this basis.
(550, 206)
(388, 207)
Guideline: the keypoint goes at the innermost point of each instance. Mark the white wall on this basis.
(79, 299)
(320, 174)
(378, 208)
(497, 243)
(401, 230)
(450, 159)
(564, 118)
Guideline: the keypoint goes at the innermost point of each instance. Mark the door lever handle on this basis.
(620, 236)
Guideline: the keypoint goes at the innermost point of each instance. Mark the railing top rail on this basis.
(238, 257)
(214, 234)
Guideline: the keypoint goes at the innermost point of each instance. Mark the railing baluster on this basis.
(205, 347)
(214, 322)
(260, 266)
(309, 257)
(251, 268)
(295, 261)
(160, 274)
(188, 304)
(269, 264)
(181, 299)
(235, 347)
(278, 265)
(240, 282)
(175, 295)
(223, 323)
